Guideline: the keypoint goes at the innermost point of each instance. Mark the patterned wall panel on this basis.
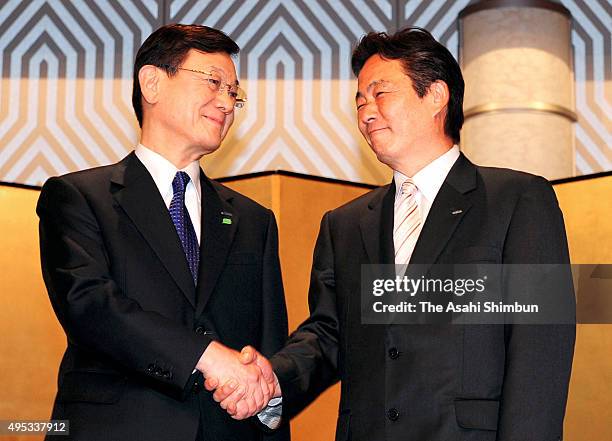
(439, 17)
(66, 80)
(65, 98)
(592, 39)
(295, 64)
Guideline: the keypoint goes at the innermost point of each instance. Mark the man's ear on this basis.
(149, 79)
(439, 96)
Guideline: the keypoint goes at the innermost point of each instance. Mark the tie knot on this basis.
(408, 188)
(180, 181)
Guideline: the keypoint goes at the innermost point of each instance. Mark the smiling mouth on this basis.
(376, 130)
(213, 119)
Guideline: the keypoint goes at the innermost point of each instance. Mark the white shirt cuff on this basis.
(272, 413)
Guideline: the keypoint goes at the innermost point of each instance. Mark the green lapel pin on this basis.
(227, 218)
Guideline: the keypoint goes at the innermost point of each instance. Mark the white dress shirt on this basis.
(428, 181)
(163, 171)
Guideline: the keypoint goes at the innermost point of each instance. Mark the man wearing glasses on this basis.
(155, 271)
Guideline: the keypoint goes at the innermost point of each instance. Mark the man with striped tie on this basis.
(156, 272)
(426, 382)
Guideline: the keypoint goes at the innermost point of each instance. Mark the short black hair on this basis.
(168, 46)
(424, 60)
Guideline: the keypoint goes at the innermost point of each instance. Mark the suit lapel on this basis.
(376, 226)
(136, 193)
(219, 225)
(447, 210)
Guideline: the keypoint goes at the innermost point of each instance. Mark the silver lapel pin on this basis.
(457, 212)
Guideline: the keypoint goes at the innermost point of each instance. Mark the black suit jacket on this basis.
(135, 322)
(434, 382)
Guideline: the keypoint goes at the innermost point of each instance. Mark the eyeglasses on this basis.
(216, 83)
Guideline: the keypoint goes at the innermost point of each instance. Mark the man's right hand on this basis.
(231, 399)
(243, 378)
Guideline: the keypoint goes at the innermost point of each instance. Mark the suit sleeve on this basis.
(274, 325)
(538, 357)
(308, 364)
(274, 317)
(95, 314)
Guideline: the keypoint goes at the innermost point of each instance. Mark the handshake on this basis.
(243, 382)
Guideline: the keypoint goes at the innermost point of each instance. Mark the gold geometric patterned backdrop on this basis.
(65, 95)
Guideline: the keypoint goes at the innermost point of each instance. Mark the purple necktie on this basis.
(183, 225)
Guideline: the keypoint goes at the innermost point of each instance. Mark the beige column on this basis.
(519, 99)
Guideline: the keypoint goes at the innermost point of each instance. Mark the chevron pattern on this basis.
(438, 17)
(65, 98)
(66, 80)
(592, 39)
(295, 65)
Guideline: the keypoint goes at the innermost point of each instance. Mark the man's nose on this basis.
(368, 113)
(224, 101)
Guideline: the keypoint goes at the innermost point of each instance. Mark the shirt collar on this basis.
(163, 171)
(431, 177)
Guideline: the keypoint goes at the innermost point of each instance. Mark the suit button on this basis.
(197, 387)
(157, 371)
(167, 375)
(393, 353)
(393, 414)
(150, 368)
(200, 330)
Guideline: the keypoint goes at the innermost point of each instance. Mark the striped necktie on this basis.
(406, 223)
(182, 223)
